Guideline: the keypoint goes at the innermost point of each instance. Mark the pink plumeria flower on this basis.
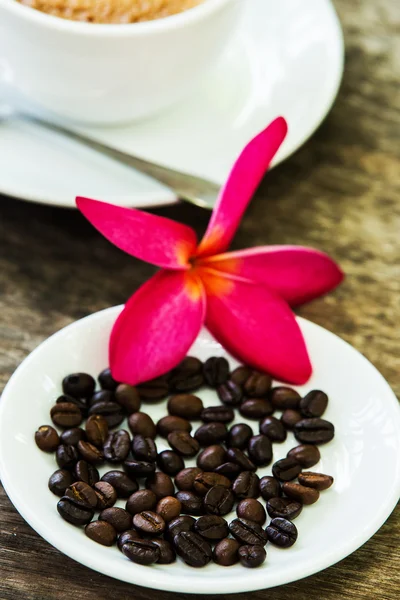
(242, 297)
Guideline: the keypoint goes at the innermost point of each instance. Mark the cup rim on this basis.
(170, 23)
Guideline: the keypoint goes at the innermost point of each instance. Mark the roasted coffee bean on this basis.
(256, 408)
(183, 443)
(111, 411)
(210, 458)
(144, 448)
(168, 508)
(119, 518)
(167, 553)
(241, 374)
(257, 385)
(281, 532)
(59, 481)
(270, 487)
(226, 553)
(313, 404)
(273, 429)
(127, 396)
(83, 493)
(286, 469)
(80, 403)
(153, 390)
(301, 493)
(127, 536)
(168, 424)
(140, 501)
(239, 435)
(47, 438)
(220, 414)
(170, 462)
(216, 371)
(205, 481)
(219, 501)
(318, 481)
(123, 485)
(104, 409)
(78, 385)
(192, 504)
(230, 393)
(237, 456)
(185, 478)
(117, 445)
(149, 523)
(101, 396)
(212, 528)
(252, 510)
(190, 364)
(306, 455)
(66, 414)
(183, 523)
(96, 430)
(107, 381)
(284, 397)
(290, 417)
(101, 532)
(211, 433)
(86, 472)
(66, 456)
(248, 532)
(246, 485)
(192, 548)
(141, 552)
(260, 450)
(72, 436)
(229, 469)
(76, 513)
(139, 468)
(185, 406)
(142, 424)
(90, 453)
(161, 484)
(106, 495)
(252, 556)
(314, 431)
(187, 376)
(284, 508)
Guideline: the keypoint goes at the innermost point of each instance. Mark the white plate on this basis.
(362, 407)
(287, 59)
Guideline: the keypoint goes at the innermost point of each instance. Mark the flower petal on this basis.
(257, 327)
(242, 182)
(157, 327)
(157, 240)
(296, 273)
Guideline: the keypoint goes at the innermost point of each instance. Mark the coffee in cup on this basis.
(111, 11)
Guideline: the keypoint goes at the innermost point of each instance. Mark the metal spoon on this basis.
(188, 187)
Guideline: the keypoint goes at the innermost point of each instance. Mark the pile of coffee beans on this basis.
(185, 516)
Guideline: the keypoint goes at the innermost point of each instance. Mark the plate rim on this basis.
(187, 584)
(164, 197)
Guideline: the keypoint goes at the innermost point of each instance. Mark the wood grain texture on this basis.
(339, 193)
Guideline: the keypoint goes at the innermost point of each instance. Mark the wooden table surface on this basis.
(339, 193)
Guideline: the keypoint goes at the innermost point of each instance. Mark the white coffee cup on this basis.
(110, 73)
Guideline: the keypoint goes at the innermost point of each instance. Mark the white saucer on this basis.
(287, 59)
(362, 407)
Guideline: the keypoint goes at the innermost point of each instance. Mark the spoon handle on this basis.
(187, 187)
